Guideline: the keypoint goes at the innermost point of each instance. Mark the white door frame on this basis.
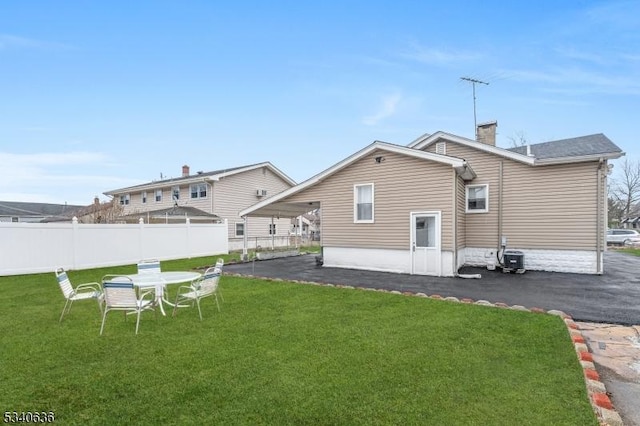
(437, 250)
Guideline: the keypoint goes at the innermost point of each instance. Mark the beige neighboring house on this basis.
(445, 201)
(222, 193)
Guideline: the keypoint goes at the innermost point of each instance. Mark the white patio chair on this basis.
(81, 292)
(120, 295)
(205, 286)
(149, 266)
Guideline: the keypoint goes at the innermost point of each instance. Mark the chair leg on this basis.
(199, 311)
(138, 320)
(220, 291)
(67, 303)
(216, 296)
(104, 317)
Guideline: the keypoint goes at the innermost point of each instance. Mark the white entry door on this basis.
(425, 243)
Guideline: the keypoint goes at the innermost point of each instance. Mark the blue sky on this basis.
(96, 96)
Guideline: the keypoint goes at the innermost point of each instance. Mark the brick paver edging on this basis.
(598, 396)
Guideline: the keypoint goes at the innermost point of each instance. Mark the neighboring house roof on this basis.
(583, 148)
(29, 209)
(200, 176)
(272, 207)
(176, 212)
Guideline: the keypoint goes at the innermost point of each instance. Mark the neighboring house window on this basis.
(175, 193)
(239, 229)
(124, 200)
(363, 203)
(441, 148)
(143, 196)
(272, 229)
(477, 198)
(158, 195)
(199, 190)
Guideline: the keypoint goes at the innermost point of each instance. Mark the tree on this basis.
(624, 191)
(105, 212)
(518, 139)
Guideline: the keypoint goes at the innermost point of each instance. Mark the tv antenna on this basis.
(473, 82)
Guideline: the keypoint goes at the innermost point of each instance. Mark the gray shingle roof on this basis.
(28, 209)
(573, 147)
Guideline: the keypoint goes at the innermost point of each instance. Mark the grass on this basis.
(286, 354)
(631, 251)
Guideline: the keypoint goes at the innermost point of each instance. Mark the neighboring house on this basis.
(631, 222)
(446, 201)
(222, 193)
(16, 211)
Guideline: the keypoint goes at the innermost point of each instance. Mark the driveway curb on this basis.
(598, 395)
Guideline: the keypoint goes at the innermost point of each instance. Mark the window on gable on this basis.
(239, 229)
(124, 200)
(143, 196)
(198, 190)
(441, 148)
(175, 193)
(158, 195)
(477, 198)
(363, 203)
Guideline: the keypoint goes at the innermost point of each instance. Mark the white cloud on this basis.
(387, 108)
(8, 41)
(433, 56)
(72, 177)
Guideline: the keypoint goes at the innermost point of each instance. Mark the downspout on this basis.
(599, 219)
(454, 222)
(500, 178)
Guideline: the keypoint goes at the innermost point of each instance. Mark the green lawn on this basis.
(282, 353)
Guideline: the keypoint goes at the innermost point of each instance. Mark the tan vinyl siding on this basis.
(238, 191)
(402, 184)
(544, 207)
(550, 206)
(461, 216)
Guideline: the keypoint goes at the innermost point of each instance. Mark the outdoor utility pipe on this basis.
(500, 177)
(599, 218)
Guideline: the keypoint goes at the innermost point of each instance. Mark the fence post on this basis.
(187, 223)
(74, 231)
(141, 239)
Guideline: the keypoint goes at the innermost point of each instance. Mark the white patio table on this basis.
(159, 280)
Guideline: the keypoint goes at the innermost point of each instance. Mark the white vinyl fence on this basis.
(28, 248)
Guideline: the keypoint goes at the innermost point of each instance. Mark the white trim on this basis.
(438, 247)
(355, 203)
(466, 198)
(424, 142)
(377, 145)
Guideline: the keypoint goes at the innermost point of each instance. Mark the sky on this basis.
(96, 96)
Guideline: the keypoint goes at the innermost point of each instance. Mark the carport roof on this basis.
(277, 205)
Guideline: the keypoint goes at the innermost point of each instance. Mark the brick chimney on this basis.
(185, 171)
(486, 132)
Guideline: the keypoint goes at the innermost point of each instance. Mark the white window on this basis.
(124, 200)
(239, 229)
(477, 198)
(175, 193)
(158, 195)
(198, 190)
(143, 196)
(363, 203)
(272, 229)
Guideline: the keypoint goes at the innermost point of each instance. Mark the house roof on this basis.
(202, 176)
(176, 212)
(29, 209)
(583, 148)
(273, 206)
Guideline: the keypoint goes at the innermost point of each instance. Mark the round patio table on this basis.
(159, 280)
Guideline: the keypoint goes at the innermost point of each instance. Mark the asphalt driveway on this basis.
(613, 297)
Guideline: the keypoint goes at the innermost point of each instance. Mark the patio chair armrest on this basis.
(187, 288)
(149, 292)
(94, 286)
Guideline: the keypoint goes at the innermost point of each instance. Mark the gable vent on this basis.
(441, 148)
